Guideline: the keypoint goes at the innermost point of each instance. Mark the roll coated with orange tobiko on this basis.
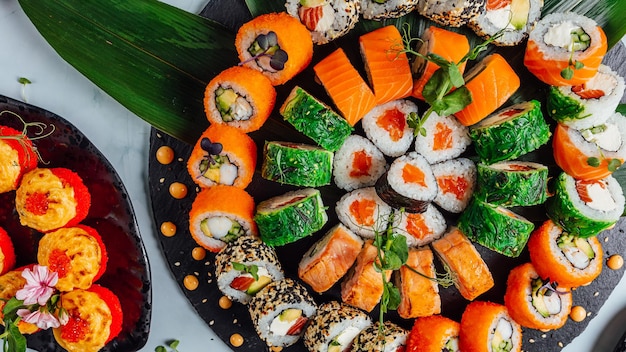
(276, 44)
(223, 155)
(50, 198)
(434, 333)
(76, 254)
(7, 252)
(17, 156)
(487, 326)
(240, 97)
(94, 318)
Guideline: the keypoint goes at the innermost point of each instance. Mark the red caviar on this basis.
(37, 203)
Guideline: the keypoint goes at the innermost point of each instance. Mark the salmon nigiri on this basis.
(387, 66)
(345, 86)
(491, 81)
(565, 49)
(363, 287)
(329, 259)
(450, 45)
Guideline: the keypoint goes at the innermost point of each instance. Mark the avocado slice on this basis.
(225, 100)
(290, 314)
(311, 3)
(258, 285)
(204, 227)
(519, 13)
(537, 301)
(585, 247)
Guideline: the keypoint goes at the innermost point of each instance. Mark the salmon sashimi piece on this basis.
(345, 86)
(450, 45)
(419, 295)
(387, 67)
(329, 259)
(548, 67)
(471, 275)
(363, 287)
(497, 4)
(492, 82)
(412, 174)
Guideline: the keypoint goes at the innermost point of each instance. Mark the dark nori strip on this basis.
(397, 200)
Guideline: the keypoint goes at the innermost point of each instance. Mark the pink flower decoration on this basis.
(39, 285)
(43, 319)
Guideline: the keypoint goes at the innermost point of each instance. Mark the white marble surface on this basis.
(59, 88)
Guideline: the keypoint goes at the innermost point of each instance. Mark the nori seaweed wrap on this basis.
(585, 207)
(510, 132)
(315, 119)
(297, 164)
(289, 217)
(512, 183)
(495, 227)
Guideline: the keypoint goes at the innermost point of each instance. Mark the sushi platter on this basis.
(127, 272)
(182, 247)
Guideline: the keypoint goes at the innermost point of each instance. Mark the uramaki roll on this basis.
(487, 326)
(17, 156)
(48, 199)
(240, 97)
(95, 318)
(219, 215)
(223, 155)
(77, 254)
(535, 303)
(570, 260)
(276, 44)
(434, 333)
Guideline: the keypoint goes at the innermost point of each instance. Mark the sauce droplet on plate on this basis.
(578, 314)
(168, 229)
(198, 253)
(236, 340)
(225, 302)
(178, 190)
(165, 155)
(190, 282)
(615, 262)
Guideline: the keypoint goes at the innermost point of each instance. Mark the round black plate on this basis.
(177, 249)
(111, 214)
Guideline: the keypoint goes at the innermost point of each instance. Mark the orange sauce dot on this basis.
(578, 313)
(165, 155)
(168, 229)
(615, 262)
(236, 340)
(225, 302)
(190, 282)
(276, 348)
(178, 190)
(198, 253)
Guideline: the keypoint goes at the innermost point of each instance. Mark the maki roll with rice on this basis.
(511, 132)
(220, 214)
(245, 266)
(446, 138)
(487, 326)
(223, 155)
(315, 119)
(512, 183)
(434, 333)
(453, 13)
(291, 216)
(334, 327)
(512, 20)
(593, 153)
(276, 44)
(588, 104)
(329, 259)
(280, 312)
(358, 163)
(380, 10)
(240, 97)
(370, 339)
(296, 164)
(327, 20)
(585, 207)
(534, 302)
(558, 42)
(409, 183)
(386, 126)
(363, 212)
(570, 260)
(456, 180)
(495, 227)
(51, 198)
(17, 156)
(419, 229)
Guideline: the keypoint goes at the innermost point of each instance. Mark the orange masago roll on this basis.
(492, 82)
(450, 45)
(433, 334)
(223, 155)
(345, 86)
(387, 67)
(487, 326)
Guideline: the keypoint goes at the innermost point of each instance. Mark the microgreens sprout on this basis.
(568, 72)
(173, 345)
(40, 132)
(266, 45)
(445, 91)
(250, 269)
(24, 81)
(548, 287)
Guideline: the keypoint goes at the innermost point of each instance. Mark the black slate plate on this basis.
(177, 249)
(111, 214)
